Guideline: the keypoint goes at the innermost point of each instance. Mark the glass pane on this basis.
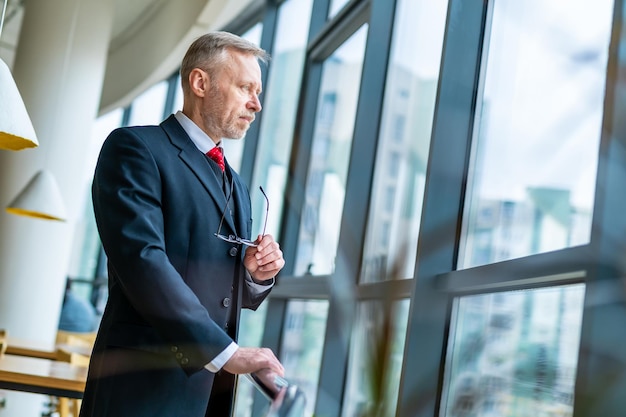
(279, 110)
(86, 243)
(301, 349)
(335, 6)
(332, 141)
(178, 96)
(538, 130)
(233, 148)
(514, 353)
(147, 108)
(251, 325)
(375, 362)
(404, 140)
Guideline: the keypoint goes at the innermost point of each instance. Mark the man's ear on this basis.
(199, 82)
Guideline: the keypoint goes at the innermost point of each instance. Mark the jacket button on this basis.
(174, 349)
(232, 251)
(184, 361)
(226, 302)
(179, 355)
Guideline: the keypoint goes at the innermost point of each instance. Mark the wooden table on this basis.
(33, 349)
(30, 348)
(42, 376)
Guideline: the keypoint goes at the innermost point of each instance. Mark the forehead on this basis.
(243, 67)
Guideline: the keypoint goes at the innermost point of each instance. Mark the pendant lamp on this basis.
(16, 129)
(40, 198)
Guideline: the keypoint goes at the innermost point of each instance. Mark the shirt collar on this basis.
(202, 141)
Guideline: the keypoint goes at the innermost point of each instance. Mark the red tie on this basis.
(217, 155)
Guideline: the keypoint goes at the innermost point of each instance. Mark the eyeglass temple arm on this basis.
(267, 208)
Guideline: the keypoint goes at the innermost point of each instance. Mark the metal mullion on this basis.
(334, 33)
(248, 18)
(275, 315)
(172, 86)
(272, 339)
(305, 288)
(602, 355)
(299, 164)
(303, 139)
(251, 144)
(358, 190)
(564, 266)
(396, 289)
(443, 202)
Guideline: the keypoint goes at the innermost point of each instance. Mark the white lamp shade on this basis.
(41, 198)
(16, 129)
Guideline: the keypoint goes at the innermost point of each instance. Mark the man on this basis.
(166, 342)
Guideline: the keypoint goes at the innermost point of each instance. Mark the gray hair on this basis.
(208, 52)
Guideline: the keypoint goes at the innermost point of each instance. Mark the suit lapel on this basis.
(197, 163)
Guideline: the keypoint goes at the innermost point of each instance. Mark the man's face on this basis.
(233, 100)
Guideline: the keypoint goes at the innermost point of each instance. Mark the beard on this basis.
(235, 127)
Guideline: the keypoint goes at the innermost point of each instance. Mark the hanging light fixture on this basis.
(16, 129)
(40, 198)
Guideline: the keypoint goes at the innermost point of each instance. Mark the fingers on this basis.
(269, 256)
(248, 360)
(266, 260)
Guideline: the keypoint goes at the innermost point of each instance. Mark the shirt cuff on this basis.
(220, 360)
(259, 287)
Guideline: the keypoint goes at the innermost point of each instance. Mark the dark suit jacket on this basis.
(175, 290)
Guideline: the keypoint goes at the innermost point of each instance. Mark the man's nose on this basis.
(255, 104)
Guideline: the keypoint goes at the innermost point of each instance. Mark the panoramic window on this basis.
(535, 149)
(332, 142)
(279, 109)
(148, 107)
(376, 353)
(404, 140)
(302, 342)
(514, 353)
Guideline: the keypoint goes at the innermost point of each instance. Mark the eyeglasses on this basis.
(235, 238)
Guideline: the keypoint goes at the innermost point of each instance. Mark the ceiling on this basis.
(148, 39)
(130, 16)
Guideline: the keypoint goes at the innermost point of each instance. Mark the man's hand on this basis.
(264, 261)
(247, 360)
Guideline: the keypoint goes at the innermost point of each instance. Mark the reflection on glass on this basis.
(251, 325)
(302, 342)
(404, 140)
(279, 109)
(148, 107)
(536, 145)
(375, 362)
(233, 148)
(332, 141)
(514, 353)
